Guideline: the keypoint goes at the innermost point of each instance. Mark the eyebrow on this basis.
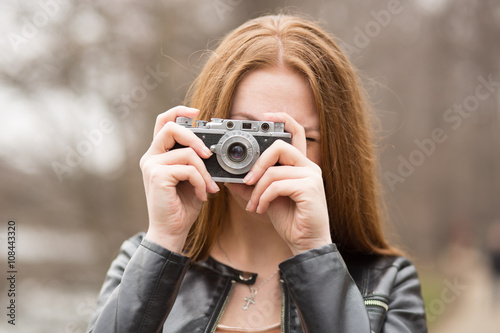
(249, 116)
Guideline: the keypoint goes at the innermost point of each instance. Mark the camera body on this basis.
(236, 144)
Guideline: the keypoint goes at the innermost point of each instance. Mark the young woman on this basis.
(299, 246)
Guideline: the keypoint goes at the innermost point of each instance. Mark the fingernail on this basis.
(270, 114)
(215, 187)
(248, 177)
(249, 204)
(207, 151)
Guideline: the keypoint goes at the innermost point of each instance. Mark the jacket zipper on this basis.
(219, 316)
(282, 306)
(376, 302)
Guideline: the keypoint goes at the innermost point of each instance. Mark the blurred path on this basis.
(475, 309)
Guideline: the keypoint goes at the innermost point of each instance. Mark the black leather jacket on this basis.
(150, 289)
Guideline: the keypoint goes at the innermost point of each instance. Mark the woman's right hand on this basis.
(176, 181)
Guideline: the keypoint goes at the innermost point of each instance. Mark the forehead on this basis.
(275, 90)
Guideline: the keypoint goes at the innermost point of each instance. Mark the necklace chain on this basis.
(253, 291)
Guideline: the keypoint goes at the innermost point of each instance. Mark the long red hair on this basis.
(348, 159)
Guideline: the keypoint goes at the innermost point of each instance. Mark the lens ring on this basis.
(244, 139)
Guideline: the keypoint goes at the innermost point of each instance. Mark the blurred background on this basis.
(81, 83)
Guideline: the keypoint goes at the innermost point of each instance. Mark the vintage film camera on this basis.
(236, 144)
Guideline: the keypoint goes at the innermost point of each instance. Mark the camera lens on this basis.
(265, 127)
(237, 152)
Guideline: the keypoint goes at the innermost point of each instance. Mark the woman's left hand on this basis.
(292, 193)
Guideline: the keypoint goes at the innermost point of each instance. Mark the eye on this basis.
(309, 139)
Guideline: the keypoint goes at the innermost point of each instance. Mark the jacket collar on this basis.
(227, 271)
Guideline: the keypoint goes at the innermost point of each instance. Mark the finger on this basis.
(282, 188)
(291, 126)
(279, 152)
(178, 173)
(172, 133)
(172, 114)
(186, 156)
(273, 174)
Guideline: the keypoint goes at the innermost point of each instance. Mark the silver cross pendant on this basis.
(249, 300)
